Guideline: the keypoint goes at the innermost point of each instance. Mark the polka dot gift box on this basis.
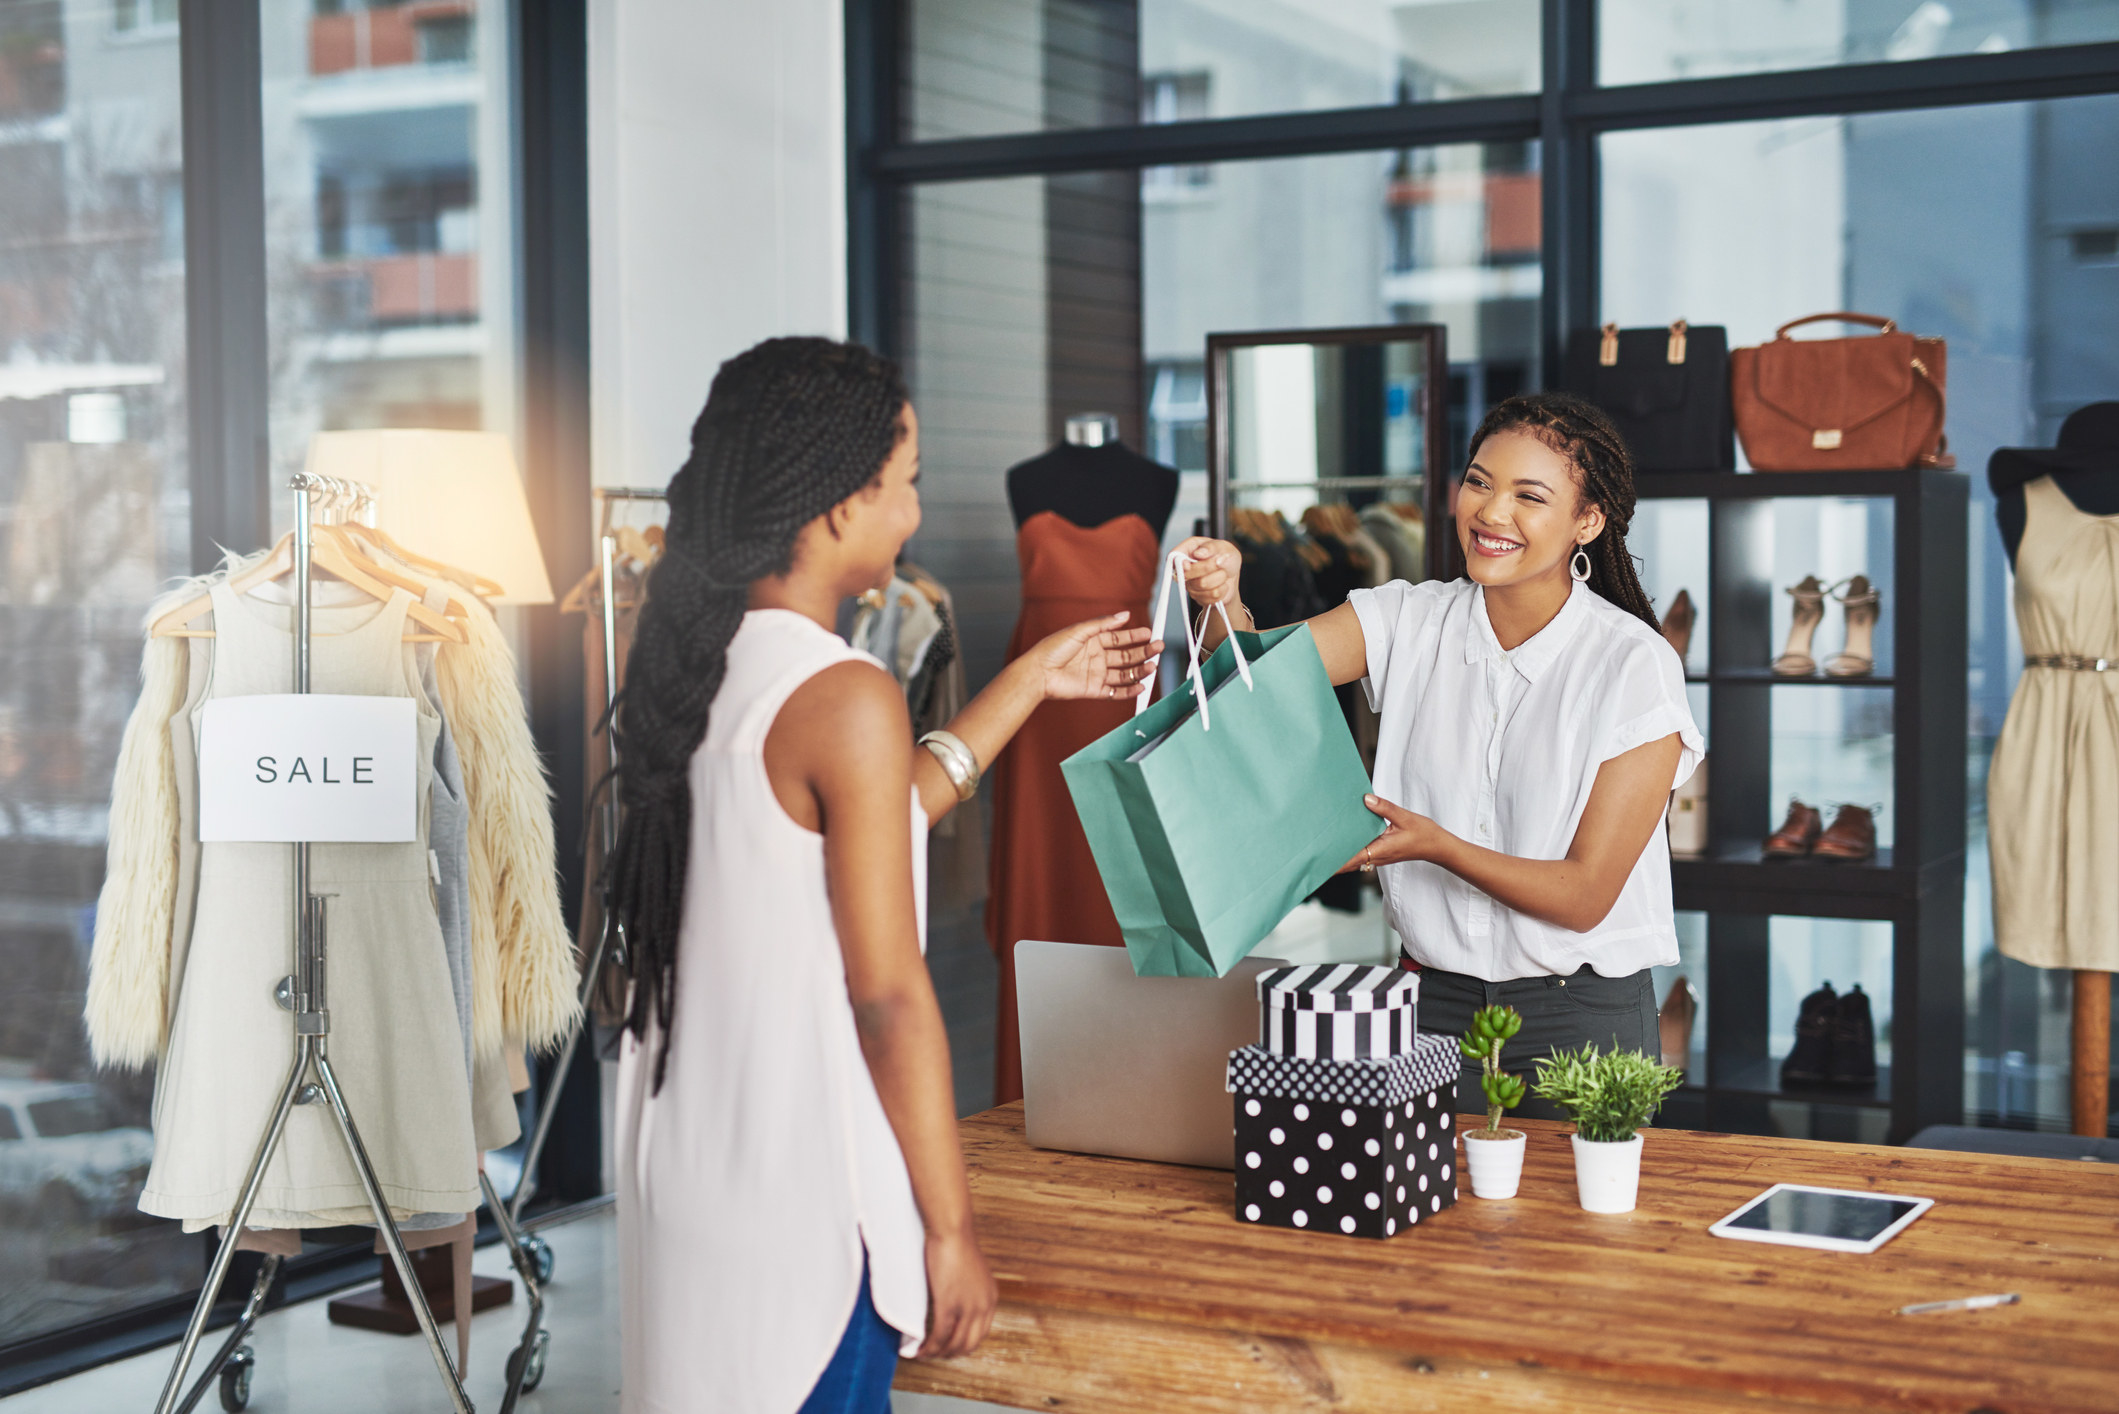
(1337, 1011)
(1363, 1148)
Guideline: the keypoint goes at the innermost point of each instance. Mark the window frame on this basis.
(1565, 118)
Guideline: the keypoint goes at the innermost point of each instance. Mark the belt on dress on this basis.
(2075, 662)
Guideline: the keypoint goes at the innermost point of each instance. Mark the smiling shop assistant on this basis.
(1533, 726)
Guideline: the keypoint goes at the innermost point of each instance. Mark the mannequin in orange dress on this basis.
(1089, 518)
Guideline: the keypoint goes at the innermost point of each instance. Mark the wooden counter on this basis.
(1131, 1287)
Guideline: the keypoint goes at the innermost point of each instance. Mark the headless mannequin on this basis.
(1092, 477)
(2093, 490)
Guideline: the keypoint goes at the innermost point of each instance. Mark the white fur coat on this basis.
(522, 959)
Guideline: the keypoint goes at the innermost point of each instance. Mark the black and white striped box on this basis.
(1337, 1011)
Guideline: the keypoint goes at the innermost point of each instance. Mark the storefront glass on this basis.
(94, 515)
(388, 217)
(975, 67)
(2010, 251)
(1646, 41)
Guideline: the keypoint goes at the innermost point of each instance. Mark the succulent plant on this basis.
(1490, 1030)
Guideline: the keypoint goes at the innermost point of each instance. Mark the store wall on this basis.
(717, 193)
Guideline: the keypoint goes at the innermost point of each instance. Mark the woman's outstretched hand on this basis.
(1097, 658)
(1405, 836)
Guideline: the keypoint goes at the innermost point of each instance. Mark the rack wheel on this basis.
(235, 1379)
(540, 1254)
(533, 1368)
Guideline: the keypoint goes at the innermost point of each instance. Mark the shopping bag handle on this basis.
(1174, 572)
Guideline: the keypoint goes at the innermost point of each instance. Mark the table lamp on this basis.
(453, 496)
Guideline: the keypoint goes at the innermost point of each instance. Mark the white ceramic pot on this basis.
(1607, 1176)
(1496, 1164)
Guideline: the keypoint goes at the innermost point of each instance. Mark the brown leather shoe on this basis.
(1797, 833)
(1851, 837)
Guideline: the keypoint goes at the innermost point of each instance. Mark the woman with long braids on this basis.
(1533, 726)
(793, 1211)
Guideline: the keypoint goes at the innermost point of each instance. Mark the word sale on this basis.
(268, 772)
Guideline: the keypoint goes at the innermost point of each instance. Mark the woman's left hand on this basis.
(1405, 836)
(1097, 658)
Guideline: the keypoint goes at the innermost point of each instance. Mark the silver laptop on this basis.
(1130, 1066)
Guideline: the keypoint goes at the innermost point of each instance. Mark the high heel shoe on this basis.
(1677, 624)
(1858, 658)
(1795, 660)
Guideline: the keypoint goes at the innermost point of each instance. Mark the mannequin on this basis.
(1089, 518)
(2084, 468)
(1091, 477)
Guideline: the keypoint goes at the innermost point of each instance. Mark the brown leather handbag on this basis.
(1868, 404)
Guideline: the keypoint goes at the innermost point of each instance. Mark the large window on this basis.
(997, 66)
(1075, 193)
(94, 515)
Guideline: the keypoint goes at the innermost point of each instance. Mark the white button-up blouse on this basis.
(1502, 749)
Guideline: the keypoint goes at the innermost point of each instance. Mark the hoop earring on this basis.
(1579, 568)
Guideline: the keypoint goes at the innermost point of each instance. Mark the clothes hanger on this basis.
(325, 553)
(375, 535)
(411, 584)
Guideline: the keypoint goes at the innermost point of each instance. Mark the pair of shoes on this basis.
(1858, 658)
(1677, 624)
(1835, 1042)
(1850, 838)
(1681, 1006)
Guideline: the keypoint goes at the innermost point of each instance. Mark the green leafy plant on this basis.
(1491, 1028)
(1608, 1096)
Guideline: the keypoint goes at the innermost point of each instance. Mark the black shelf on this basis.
(1918, 886)
(1766, 677)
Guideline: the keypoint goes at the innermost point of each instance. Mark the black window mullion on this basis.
(1567, 178)
(1952, 81)
(873, 45)
(226, 381)
(1514, 118)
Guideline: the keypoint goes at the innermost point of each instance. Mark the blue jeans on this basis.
(857, 1381)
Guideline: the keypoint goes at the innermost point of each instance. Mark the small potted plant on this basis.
(1494, 1154)
(1609, 1097)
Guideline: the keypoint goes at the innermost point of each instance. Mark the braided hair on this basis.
(791, 428)
(1579, 431)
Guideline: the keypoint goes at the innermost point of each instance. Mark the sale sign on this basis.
(317, 767)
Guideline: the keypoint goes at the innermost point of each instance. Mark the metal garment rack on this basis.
(610, 939)
(311, 1080)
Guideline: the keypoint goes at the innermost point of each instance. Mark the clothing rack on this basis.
(610, 939)
(311, 1080)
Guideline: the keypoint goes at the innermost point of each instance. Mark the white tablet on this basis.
(1834, 1219)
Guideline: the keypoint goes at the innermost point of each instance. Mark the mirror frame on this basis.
(1435, 488)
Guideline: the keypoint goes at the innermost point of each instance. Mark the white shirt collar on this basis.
(1533, 654)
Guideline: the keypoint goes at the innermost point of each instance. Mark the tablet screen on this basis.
(1850, 1217)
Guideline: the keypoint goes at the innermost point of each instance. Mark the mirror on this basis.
(1317, 433)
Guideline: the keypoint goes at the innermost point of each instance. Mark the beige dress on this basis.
(2053, 788)
(396, 1043)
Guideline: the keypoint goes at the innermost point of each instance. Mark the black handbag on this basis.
(1667, 389)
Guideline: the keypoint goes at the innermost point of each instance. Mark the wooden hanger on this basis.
(389, 575)
(477, 583)
(326, 553)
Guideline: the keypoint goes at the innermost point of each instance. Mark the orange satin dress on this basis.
(1043, 882)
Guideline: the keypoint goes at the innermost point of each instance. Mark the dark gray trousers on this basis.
(1559, 1013)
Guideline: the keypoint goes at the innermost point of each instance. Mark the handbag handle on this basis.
(1875, 321)
(1174, 572)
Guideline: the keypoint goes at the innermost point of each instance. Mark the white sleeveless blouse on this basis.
(749, 1186)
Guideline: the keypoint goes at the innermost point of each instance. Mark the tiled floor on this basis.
(306, 1365)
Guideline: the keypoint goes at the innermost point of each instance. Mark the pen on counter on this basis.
(1969, 1303)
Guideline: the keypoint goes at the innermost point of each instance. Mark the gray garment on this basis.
(1559, 1013)
(449, 842)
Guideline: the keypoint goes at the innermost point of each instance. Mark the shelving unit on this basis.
(1917, 886)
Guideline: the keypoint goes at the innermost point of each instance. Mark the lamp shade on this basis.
(451, 496)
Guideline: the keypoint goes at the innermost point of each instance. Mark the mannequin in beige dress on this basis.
(2053, 788)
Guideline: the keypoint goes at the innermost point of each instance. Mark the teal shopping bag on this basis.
(1209, 827)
